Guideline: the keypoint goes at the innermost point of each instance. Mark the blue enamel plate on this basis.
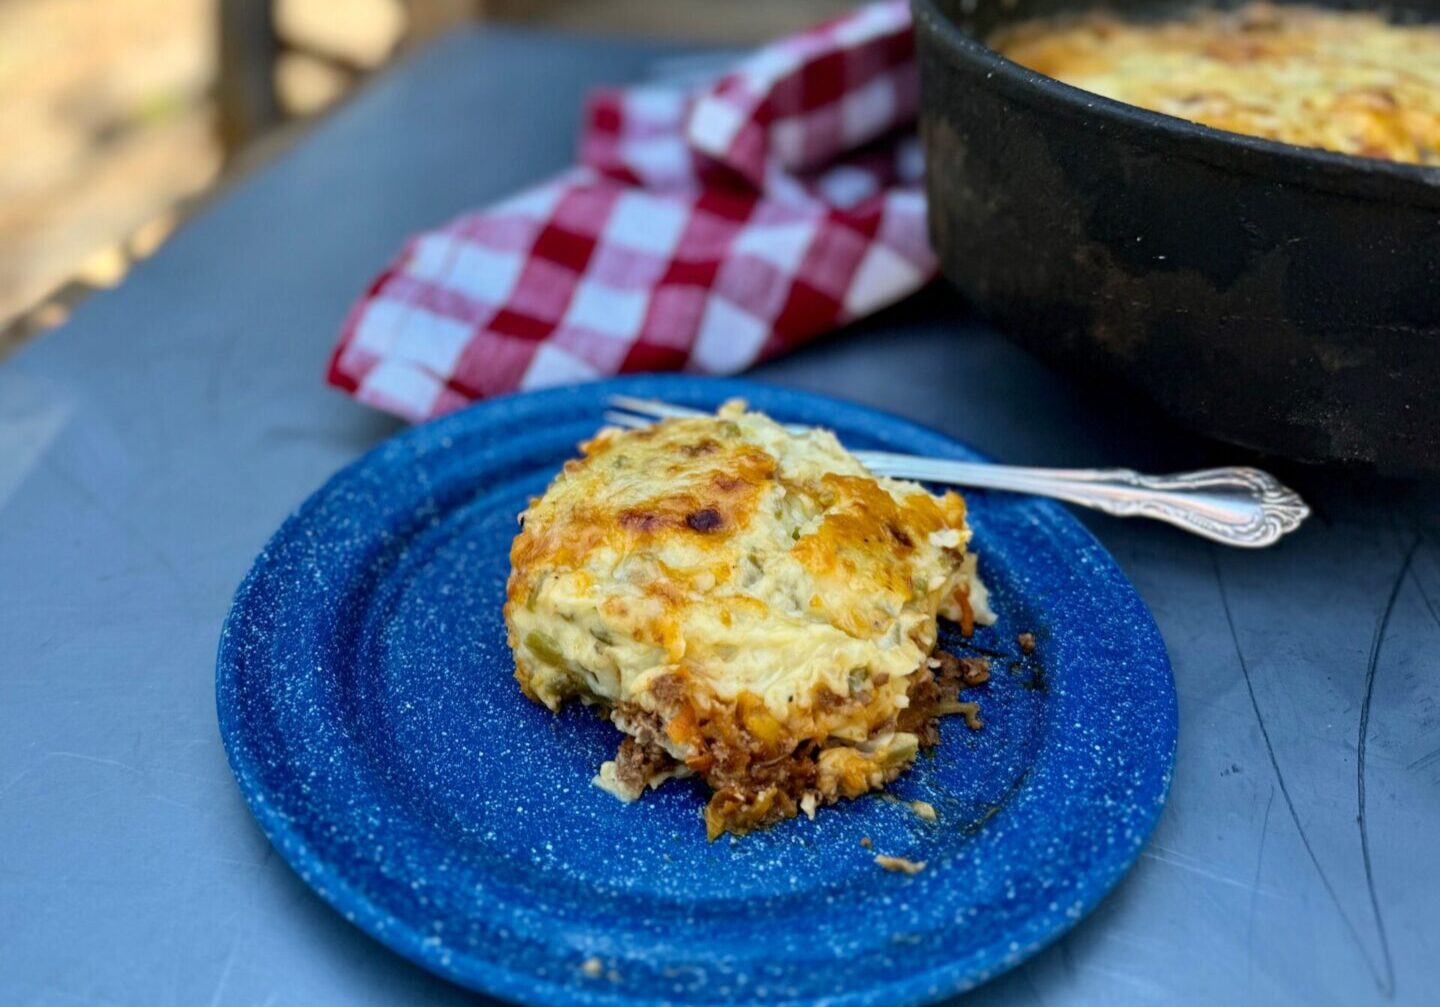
(366, 699)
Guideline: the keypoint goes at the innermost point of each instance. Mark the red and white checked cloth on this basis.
(702, 231)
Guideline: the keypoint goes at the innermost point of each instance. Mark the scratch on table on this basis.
(1138, 982)
(1117, 936)
(89, 999)
(17, 779)
(219, 366)
(1255, 884)
(171, 802)
(1377, 643)
(1031, 986)
(1222, 911)
(224, 979)
(1382, 980)
(1428, 759)
(32, 419)
(97, 759)
(210, 858)
(1425, 596)
(1188, 863)
(184, 774)
(99, 503)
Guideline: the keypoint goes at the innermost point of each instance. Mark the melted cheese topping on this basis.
(1339, 80)
(722, 585)
(757, 560)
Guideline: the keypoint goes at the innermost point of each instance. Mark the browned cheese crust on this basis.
(749, 607)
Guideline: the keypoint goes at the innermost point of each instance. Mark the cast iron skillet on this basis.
(1274, 296)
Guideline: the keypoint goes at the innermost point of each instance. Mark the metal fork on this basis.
(1236, 506)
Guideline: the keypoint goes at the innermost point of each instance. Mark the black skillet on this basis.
(1274, 296)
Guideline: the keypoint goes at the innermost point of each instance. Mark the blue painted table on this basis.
(149, 448)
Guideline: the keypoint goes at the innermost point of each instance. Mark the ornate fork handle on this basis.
(1236, 506)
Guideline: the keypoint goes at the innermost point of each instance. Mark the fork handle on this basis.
(1235, 506)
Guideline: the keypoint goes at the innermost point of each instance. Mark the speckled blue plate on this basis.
(366, 701)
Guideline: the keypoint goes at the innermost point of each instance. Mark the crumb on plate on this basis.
(899, 864)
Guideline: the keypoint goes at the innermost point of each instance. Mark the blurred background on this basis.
(121, 117)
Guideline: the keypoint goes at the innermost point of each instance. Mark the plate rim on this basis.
(950, 977)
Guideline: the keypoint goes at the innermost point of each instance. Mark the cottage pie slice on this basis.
(747, 604)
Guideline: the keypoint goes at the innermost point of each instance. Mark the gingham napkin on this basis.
(702, 231)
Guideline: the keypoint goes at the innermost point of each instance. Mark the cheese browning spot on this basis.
(705, 520)
(639, 521)
(704, 447)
